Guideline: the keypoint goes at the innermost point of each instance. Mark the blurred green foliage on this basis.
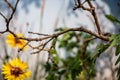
(78, 65)
(115, 42)
(80, 62)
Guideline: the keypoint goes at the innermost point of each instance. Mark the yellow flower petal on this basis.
(16, 43)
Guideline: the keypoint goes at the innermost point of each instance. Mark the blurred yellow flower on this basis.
(14, 42)
(16, 70)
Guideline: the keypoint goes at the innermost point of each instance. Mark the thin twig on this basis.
(80, 5)
(91, 10)
(3, 32)
(3, 16)
(39, 33)
(9, 19)
(43, 46)
(9, 4)
(11, 16)
(95, 17)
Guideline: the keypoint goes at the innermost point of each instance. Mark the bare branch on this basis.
(9, 19)
(95, 17)
(11, 16)
(9, 4)
(3, 16)
(39, 33)
(70, 29)
(91, 10)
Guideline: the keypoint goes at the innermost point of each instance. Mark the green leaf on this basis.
(113, 19)
(55, 58)
(54, 41)
(117, 50)
(62, 43)
(66, 36)
(87, 36)
(51, 76)
(47, 66)
(118, 60)
(62, 71)
(53, 51)
(59, 29)
(115, 40)
(54, 55)
(71, 45)
(101, 48)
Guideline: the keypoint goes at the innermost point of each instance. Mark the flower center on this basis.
(16, 71)
(17, 40)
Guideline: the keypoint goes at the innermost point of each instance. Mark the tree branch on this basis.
(11, 16)
(95, 17)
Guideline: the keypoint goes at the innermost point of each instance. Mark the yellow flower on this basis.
(14, 42)
(16, 70)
